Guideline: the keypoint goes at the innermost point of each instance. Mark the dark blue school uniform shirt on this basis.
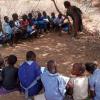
(29, 72)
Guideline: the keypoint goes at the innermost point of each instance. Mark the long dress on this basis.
(76, 15)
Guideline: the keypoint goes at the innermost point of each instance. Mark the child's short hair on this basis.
(80, 68)
(30, 55)
(15, 16)
(44, 13)
(6, 18)
(90, 67)
(52, 14)
(52, 67)
(12, 59)
(24, 17)
(30, 15)
(50, 63)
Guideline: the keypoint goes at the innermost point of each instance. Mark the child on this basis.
(79, 83)
(53, 21)
(54, 83)
(1, 67)
(65, 25)
(2, 36)
(31, 30)
(10, 74)
(94, 80)
(8, 30)
(46, 19)
(59, 20)
(24, 25)
(40, 23)
(16, 27)
(29, 76)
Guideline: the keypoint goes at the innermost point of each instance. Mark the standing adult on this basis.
(75, 14)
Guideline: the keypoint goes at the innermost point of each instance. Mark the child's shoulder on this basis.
(63, 78)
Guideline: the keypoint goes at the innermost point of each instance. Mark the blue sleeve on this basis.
(38, 71)
(92, 82)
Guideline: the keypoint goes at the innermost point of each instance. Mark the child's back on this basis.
(10, 74)
(79, 82)
(80, 89)
(54, 85)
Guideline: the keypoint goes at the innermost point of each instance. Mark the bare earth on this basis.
(64, 49)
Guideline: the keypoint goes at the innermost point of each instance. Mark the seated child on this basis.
(24, 25)
(79, 83)
(2, 36)
(30, 18)
(16, 28)
(59, 21)
(54, 83)
(29, 76)
(65, 25)
(31, 30)
(7, 30)
(40, 23)
(53, 21)
(10, 74)
(94, 80)
(1, 67)
(46, 19)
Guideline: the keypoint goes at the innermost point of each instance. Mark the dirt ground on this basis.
(64, 49)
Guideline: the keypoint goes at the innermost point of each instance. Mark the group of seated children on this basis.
(29, 25)
(30, 79)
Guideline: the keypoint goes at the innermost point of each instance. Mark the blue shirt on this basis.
(94, 82)
(6, 28)
(54, 85)
(29, 72)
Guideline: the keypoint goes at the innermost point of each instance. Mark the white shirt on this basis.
(7, 28)
(54, 85)
(80, 90)
(94, 82)
(17, 23)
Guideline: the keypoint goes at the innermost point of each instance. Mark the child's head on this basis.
(52, 66)
(24, 17)
(30, 15)
(15, 16)
(11, 60)
(52, 14)
(39, 15)
(6, 19)
(44, 13)
(67, 4)
(78, 69)
(91, 67)
(30, 55)
(59, 15)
